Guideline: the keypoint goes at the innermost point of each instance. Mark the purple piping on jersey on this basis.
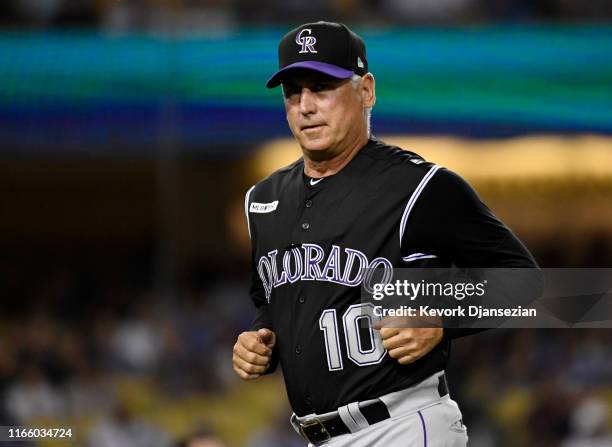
(414, 197)
(424, 431)
(417, 256)
(246, 208)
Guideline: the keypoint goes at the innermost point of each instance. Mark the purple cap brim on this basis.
(321, 67)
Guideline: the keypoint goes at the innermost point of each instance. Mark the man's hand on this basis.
(252, 353)
(407, 344)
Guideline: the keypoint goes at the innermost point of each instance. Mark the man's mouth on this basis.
(312, 126)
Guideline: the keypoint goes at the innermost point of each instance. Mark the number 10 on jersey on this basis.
(359, 349)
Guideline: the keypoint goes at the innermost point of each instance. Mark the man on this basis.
(351, 203)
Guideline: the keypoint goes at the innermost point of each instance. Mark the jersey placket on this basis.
(304, 231)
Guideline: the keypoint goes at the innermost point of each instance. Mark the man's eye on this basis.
(320, 86)
(290, 91)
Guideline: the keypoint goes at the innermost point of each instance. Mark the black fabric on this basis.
(335, 45)
(317, 181)
(326, 42)
(450, 221)
(374, 413)
(303, 273)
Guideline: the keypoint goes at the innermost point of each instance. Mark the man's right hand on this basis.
(252, 353)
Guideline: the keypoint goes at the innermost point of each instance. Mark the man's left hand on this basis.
(407, 344)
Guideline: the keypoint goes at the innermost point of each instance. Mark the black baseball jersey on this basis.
(311, 242)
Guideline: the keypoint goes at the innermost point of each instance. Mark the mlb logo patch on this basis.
(263, 207)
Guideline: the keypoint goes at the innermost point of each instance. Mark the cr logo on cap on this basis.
(307, 42)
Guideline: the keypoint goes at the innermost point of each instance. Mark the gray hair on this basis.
(367, 112)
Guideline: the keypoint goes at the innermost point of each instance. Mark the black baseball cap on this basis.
(326, 47)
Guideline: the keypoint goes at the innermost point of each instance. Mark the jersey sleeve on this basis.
(451, 224)
(257, 292)
(262, 314)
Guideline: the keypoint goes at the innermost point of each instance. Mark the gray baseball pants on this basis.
(419, 418)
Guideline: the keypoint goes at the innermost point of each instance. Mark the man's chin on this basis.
(315, 144)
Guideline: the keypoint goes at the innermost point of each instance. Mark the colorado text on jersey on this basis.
(309, 262)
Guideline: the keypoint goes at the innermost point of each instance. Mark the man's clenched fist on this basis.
(407, 344)
(252, 353)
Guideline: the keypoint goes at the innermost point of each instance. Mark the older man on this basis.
(350, 204)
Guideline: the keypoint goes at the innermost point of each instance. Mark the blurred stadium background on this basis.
(130, 130)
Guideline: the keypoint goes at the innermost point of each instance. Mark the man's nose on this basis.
(307, 102)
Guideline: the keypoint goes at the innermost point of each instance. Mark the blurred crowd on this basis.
(211, 15)
(535, 387)
(68, 365)
(74, 348)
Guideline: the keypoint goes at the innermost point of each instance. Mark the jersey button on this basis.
(305, 226)
(298, 349)
(302, 300)
(308, 203)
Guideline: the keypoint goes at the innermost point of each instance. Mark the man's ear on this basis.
(368, 90)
